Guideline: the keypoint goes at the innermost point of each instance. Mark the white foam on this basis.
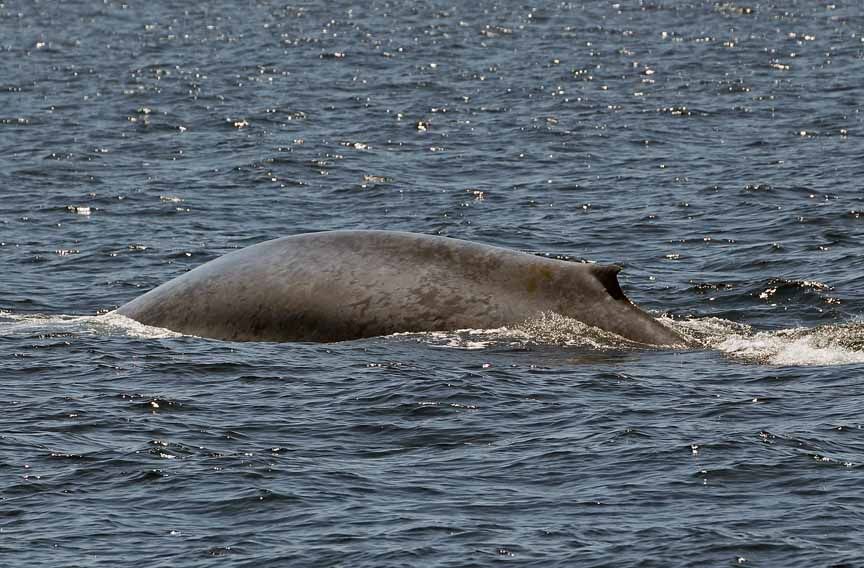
(469, 339)
(111, 323)
(114, 323)
(547, 328)
(835, 344)
(774, 348)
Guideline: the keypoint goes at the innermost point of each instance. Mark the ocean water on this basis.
(714, 149)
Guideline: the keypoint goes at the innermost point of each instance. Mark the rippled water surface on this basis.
(712, 148)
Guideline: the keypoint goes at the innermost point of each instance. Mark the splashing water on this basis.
(833, 344)
(106, 324)
(836, 344)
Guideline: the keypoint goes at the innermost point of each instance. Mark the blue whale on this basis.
(342, 285)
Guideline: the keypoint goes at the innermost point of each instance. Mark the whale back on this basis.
(342, 285)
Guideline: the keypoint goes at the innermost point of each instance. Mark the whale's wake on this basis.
(35, 325)
(832, 344)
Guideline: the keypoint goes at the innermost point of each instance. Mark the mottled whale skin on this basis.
(342, 285)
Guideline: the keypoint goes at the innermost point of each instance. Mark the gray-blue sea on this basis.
(714, 149)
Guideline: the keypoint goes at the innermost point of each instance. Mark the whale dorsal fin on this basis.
(608, 276)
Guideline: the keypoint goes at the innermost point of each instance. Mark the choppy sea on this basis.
(714, 149)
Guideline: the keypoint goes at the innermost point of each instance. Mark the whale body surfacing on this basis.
(342, 285)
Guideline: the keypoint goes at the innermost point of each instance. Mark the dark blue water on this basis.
(712, 148)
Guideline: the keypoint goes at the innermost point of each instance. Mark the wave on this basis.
(831, 344)
(106, 324)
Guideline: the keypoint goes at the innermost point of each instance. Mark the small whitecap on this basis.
(114, 323)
